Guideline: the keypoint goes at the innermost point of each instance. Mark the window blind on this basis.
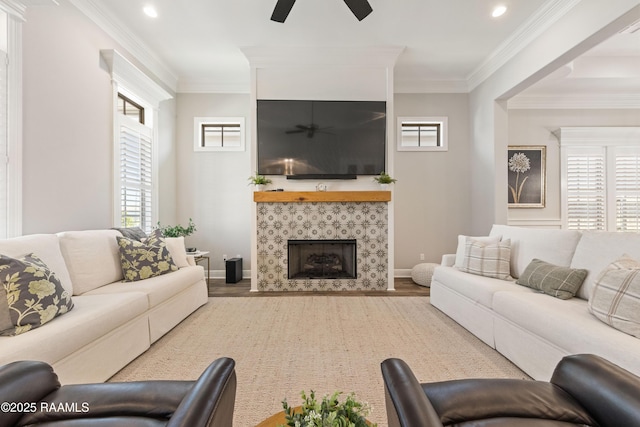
(627, 189)
(585, 191)
(136, 177)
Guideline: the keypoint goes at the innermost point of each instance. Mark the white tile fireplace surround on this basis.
(317, 216)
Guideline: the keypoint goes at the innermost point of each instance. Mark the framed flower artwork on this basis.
(526, 176)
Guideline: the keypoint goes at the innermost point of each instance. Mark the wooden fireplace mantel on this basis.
(321, 196)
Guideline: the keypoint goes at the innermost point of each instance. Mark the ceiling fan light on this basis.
(150, 11)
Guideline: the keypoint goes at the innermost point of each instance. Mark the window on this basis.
(218, 134)
(136, 100)
(422, 134)
(136, 173)
(601, 178)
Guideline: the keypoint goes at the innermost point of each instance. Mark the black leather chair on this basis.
(584, 390)
(35, 398)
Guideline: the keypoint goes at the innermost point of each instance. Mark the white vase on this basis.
(384, 187)
(259, 187)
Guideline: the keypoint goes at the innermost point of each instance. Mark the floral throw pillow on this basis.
(30, 295)
(142, 260)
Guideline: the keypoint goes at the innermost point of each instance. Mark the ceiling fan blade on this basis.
(282, 9)
(360, 8)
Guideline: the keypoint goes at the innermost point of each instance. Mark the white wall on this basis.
(67, 158)
(534, 127)
(432, 193)
(586, 25)
(212, 186)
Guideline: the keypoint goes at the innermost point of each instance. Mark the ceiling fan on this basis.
(310, 129)
(360, 8)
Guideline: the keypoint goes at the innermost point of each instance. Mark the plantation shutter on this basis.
(4, 152)
(136, 177)
(585, 191)
(627, 188)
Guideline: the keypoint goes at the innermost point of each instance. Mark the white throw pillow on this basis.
(488, 259)
(616, 296)
(462, 244)
(177, 250)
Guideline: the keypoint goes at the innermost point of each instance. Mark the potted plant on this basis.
(178, 231)
(329, 412)
(259, 181)
(384, 180)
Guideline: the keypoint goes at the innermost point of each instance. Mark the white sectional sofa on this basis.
(112, 322)
(532, 329)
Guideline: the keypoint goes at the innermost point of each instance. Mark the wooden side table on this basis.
(200, 256)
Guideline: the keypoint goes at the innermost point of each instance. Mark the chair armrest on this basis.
(448, 260)
(610, 393)
(407, 404)
(24, 382)
(211, 400)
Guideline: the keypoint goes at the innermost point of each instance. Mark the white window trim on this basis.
(197, 132)
(444, 135)
(607, 139)
(130, 81)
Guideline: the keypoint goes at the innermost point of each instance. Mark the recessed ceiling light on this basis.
(150, 11)
(499, 11)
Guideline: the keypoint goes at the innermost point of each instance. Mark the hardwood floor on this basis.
(404, 287)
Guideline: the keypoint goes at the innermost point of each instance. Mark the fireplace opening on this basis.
(322, 259)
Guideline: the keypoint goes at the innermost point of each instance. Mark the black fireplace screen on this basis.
(322, 259)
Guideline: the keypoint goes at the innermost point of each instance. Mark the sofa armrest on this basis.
(407, 404)
(191, 260)
(448, 260)
(211, 400)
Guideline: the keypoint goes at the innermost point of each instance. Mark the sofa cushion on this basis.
(135, 233)
(462, 245)
(487, 259)
(568, 326)
(597, 249)
(91, 319)
(177, 250)
(30, 296)
(616, 296)
(559, 282)
(146, 259)
(44, 246)
(554, 246)
(91, 257)
(477, 288)
(157, 289)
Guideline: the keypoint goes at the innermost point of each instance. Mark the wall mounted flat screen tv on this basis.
(321, 139)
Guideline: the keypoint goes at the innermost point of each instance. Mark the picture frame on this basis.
(526, 168)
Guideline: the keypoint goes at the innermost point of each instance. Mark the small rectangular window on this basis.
(218, 134)
(422, 133)
(130, 109)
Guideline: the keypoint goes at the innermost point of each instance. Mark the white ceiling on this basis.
(449, 45)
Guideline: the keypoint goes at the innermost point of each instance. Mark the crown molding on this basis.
(119, 32)
(537, 24)
(18, 8)
(301, 56)
(430, 86)
(186, 86)
(125, 73)
(575, 101)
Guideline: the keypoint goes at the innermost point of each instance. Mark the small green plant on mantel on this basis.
(327, 413)
(384, 178)
(177, 230)
(257, 179)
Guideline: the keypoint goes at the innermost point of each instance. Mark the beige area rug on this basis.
(324, 343)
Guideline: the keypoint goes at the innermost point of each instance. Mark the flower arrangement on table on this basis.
(327, 413)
